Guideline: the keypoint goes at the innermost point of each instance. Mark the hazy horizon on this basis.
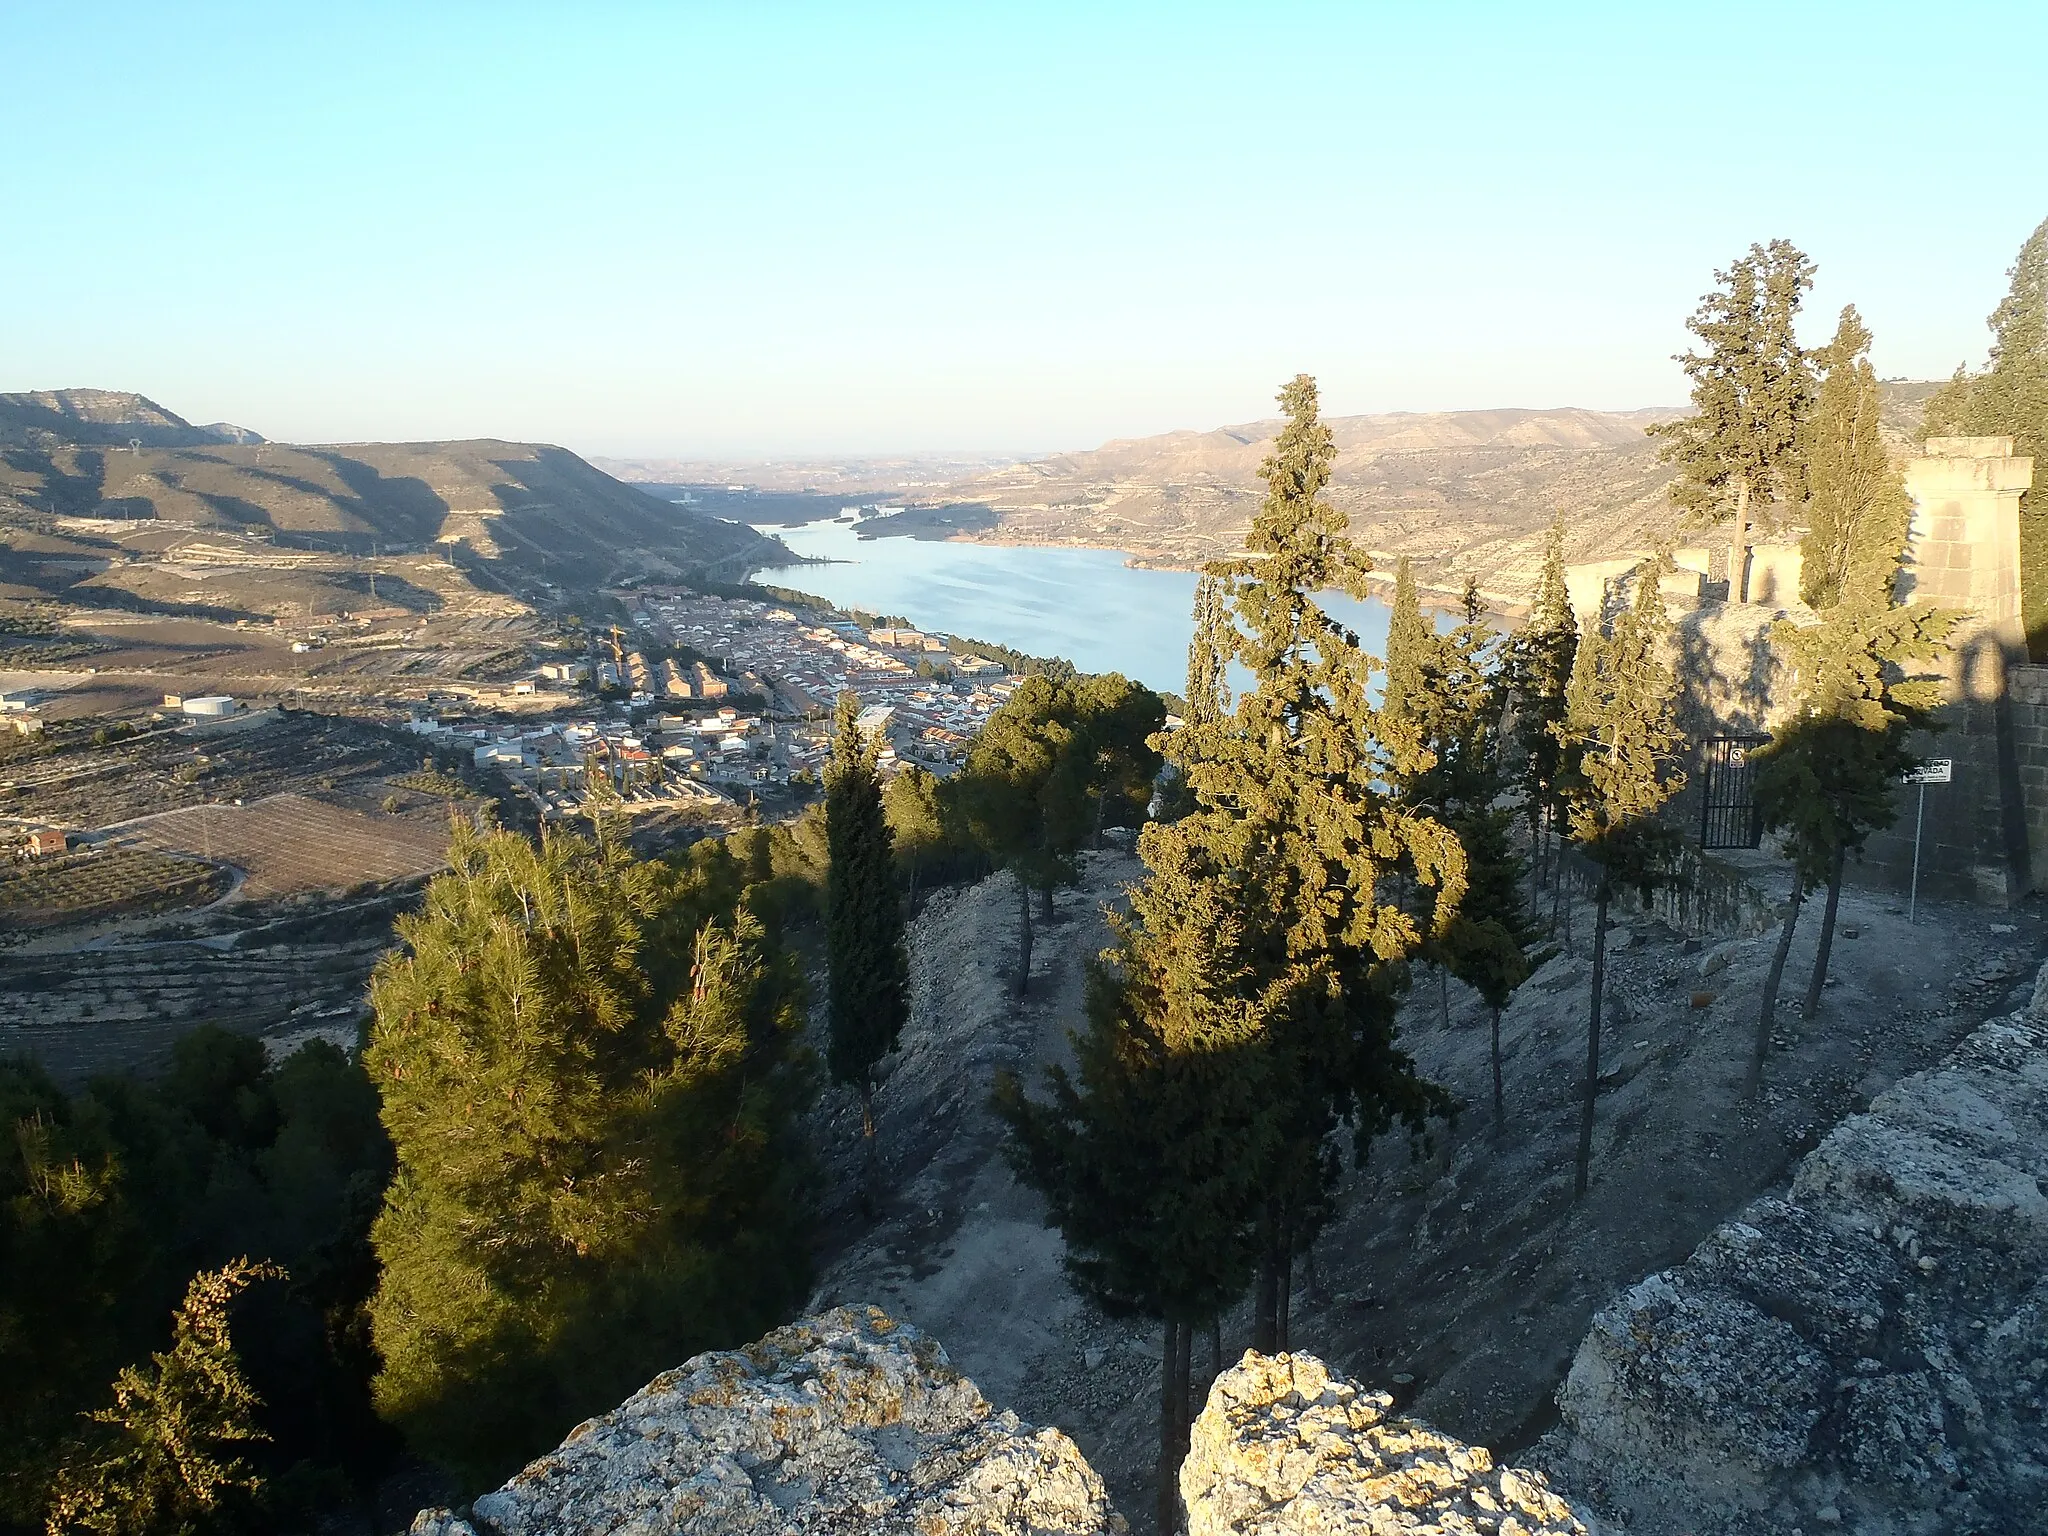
(820, 233)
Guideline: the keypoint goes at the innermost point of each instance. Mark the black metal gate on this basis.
(1728, 811)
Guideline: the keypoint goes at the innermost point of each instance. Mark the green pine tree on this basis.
(913, 805)
(870, 971)
(590, 1073)
(1150, 1154)
(1856, 508)
(1738, 452)
(1619, 729)
(165, 1458)
(68, 1240)
(1490, 955)
(1486, 944)
(1024, 796)
(1115, 720)
(2010, 399)
(1444, 710)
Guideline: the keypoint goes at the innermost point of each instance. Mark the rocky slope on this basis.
(854, 1424)
(1868, 1351)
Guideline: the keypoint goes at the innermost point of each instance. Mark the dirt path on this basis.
(963, 1250)
(1464, 1282)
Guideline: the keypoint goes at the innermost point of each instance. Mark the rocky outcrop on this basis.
(1286, 1449)
(854, 1425)
(846, 1422)
(1868, 1352)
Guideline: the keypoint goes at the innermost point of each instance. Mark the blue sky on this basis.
(760, 228)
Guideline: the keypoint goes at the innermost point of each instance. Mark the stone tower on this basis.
(1964, 552)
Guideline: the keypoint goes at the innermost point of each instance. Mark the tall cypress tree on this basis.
(2010, 399)
(1289, 789)
(864, 950)
(1250, 1005)
(1738, 453)
(1208, 689)
(1856, 509)
(1539, 670)
(1409, 705)
(1619, 726)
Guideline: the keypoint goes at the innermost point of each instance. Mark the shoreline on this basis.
(1380, 582)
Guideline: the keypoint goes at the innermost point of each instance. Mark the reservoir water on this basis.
(1086, 605)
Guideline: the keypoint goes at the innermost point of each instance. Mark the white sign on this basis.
(1937, 770)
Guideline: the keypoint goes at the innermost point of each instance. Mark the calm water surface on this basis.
(1083, 604)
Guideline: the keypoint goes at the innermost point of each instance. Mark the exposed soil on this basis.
(1461, 1282)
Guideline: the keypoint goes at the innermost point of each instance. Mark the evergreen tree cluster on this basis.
(590, 1069)
(121, 1198)
(1054, 765)
(1245, 1018)
(1829, 777)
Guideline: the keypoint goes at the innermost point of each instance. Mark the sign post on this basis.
(1936, 770)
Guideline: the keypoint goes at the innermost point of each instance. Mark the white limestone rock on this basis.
(845, 1422)
(1873, 1343)
(1286, 1449)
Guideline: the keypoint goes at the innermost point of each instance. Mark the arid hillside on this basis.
(1461, 492)
(66, 454)
(112, 417)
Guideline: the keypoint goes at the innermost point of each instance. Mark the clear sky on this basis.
(778, 228)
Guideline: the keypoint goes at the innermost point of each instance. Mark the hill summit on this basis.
(113, 417)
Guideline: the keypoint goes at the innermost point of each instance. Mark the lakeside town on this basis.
(708, 698)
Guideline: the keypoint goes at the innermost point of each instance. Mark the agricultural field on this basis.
(79, 784)
(82, 886)
(443, 786)
(292, 845)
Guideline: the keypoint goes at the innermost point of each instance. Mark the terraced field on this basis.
(290, 844)
(119, 1007)
(80, 887)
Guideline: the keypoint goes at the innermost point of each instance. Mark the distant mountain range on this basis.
(68, 453)
(909, 473)
(1462, 493)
